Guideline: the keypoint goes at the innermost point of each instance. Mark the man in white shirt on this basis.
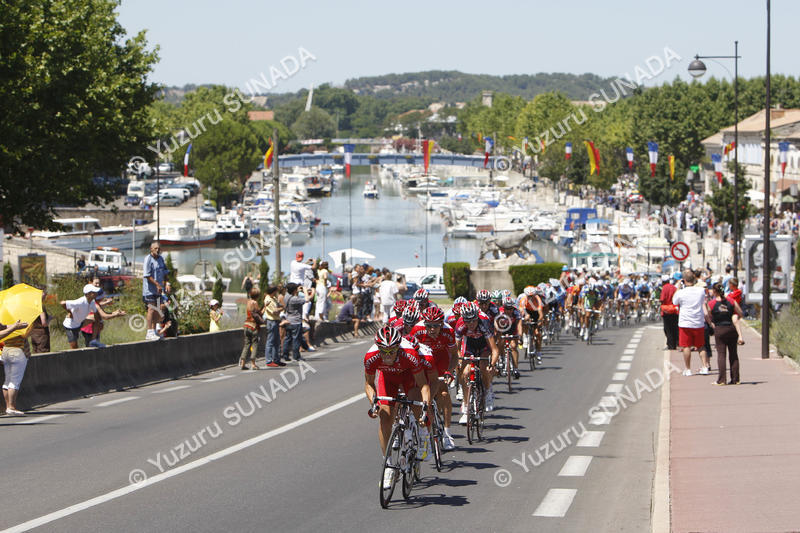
(79, 310)
(297, 269)
(387, 291)
(691, 322)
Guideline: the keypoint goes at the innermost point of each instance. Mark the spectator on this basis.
(669, 313)
(297, 269)
(294, 328)
(734, 294)
(79, 310)
(155, 272)
(272, 318)
(321, 309)
(347, 314)
(215, 316)
(691, 322)
(387, 290)
(247, 283)
(719, 315)
(167, 325)
(252, 324)
(80, 264)
(40, 332)
(15, 360)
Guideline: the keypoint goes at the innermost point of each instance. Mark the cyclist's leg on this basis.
(386, 410)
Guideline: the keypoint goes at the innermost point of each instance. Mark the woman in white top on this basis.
(321, 310)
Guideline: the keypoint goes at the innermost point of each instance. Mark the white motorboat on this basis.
(371, 191)
(232, 227)
(87, 234)
(185, 233)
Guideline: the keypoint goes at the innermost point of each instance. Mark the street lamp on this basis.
(323, 224)
(697, 68)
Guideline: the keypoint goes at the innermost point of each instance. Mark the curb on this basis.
(661, 517)
(794, 365)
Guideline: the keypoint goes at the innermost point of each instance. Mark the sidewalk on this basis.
(735, 450)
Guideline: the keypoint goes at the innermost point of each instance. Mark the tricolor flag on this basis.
(427, 149)
(629, 156)
(594, 157)
(524, 146)
(652, 151)
(729, 147)
(268, 156)
(186, 161)
(567, 150)
(544, 146)
(783, 148)
(489, 146)
(716, 159)
(348, 157)
(671, 167)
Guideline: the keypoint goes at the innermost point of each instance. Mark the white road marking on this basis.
(629, 352)
(590, 439)
(626, 358)
(32, 419)
(171, 389)
(87, 504)
(623, 366)
(607, 401)
(601, 418)
(614, 388)
(619, 376)
(218, 378)
(118, 400)
(556, 503)
(576, 466)
(337, 348)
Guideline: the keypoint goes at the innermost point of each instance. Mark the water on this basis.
(391, 228)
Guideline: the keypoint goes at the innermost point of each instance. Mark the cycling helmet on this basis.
(469, 311)
(433, 314)
(530, 290)
(506, 293)
(460, 300)
(399, 305)
(456, 310)
(510, 303)
(483, 296)
(421, 295)
(497, 297)
(411, 314)
(387, 337)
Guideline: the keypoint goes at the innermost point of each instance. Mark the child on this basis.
(216, 316)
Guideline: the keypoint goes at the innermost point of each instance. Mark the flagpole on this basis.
(276, 203)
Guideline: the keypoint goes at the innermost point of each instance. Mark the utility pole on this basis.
(766, 273)
(276, 203)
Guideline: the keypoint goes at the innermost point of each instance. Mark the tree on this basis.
(314, 124)
(73, 104)
(721, 199)
(456, 145)
(263, 281)
(172, 274)
(8, 275)
(216, 292)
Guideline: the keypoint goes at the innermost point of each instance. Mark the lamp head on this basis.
(697, 68)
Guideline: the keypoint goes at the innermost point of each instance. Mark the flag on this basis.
(652, 151)
(524, 146)
(512, 138)
(427, 149)
(594, 157)
(480, 137)
(348, 157)
(717, 160)
(671, 167)
(629, 156)
(729, 147)
(268, 156)
(544, 147)
(489, 146)
(567, 150)
(783, 148)
(186, 161)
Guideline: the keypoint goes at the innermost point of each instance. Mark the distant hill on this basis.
(454, 86)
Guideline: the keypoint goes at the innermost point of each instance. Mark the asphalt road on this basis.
(294, 450)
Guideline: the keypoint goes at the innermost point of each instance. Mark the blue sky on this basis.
(232, 42)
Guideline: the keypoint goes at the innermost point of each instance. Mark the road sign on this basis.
(680, 251)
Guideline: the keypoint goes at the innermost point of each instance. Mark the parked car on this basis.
(166, 198)
(132, 200)
(165, 167)
(207, 212)
(635, 197)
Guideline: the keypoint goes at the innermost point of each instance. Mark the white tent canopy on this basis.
(349, 253)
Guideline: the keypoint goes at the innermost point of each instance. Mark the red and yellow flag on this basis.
(729, 147)
(594, 157)
(268, 156)
(427, 149)
(672, 167)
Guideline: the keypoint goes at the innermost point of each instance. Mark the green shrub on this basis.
(8, 275)
(524, 275)
(216, 293)
(785, 332)
(456, 279)
(263, 281)
(172, 274)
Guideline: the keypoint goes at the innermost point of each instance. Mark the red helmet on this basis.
(387, 337)
(456, 310)
(411, 314)
(469, 311)
(421, 295)
(399, 305)
(433, 314)
(483, 296)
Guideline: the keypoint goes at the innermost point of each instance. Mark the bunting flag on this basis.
(716, 159)
(348, 157)
(268, 156)
(186, 161)
(480, 137)
(671, 167)
(729, 147)
(652, 151)
(544, 146)
(524, 146)
(489, 146)
(594, 157)
(783, 148)
(567, 150)
(512, 138)
(427, 149)
(629, 156)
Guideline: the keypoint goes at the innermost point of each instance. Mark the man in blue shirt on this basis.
(155, 272)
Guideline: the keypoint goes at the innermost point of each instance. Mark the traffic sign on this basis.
(680, 251)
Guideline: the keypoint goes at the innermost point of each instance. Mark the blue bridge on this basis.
(358, 159)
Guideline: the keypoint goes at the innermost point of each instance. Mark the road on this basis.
(304, 457)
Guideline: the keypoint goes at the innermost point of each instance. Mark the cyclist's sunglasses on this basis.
(433, 324)
(388, 351)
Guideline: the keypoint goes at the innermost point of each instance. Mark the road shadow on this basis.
(510, 408)
(424, 500)
(467, 464)
(516, 440)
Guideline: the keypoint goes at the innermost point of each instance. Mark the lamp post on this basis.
(697, 68)
(765, 285)
(323, 224)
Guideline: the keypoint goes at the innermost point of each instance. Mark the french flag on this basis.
(348, 157)
(716, 159)
(652, 151)
(567, 150)
(186, 161)
(629, 156)
(489, 146)
(783, 148)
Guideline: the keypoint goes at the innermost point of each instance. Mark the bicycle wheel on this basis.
(471, 414)
(529, 353)
(478, 399)
(436, 438)
(391, 461)
(509, 369)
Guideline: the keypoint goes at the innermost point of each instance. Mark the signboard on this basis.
(780, 263)
(680, 251)
(33, 270)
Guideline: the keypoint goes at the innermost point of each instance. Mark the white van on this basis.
(178, 191)
(136, 188)
(430, 279)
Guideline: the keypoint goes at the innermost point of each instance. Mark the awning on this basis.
(349, 253)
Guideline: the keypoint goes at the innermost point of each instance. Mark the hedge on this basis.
(456, 279)
(524, 275)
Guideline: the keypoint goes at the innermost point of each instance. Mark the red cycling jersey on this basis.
(440, 346)
(399, 375)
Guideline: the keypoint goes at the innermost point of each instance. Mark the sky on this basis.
(233, 42)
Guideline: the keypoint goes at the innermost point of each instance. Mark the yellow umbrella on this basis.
(20, 302)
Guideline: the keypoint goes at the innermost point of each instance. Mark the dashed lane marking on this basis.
(171, 389)
(619, 376)
(118, 400)
(218, 378)
(576, 466)
(556, 503)
(590, 439)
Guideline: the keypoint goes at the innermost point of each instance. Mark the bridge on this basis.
(361, 159)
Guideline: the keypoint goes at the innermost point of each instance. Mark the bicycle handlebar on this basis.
(404, 401)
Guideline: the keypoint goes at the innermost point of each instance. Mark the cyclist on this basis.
(475, 334)
(398, 367)
(421, 297)
(440, 338)
(531, 308)
(497, 298)
(643, 292)
(484, 302)
(398, 308)
(512, 314)
(589, 302)
(625, 294)
(411, 316)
